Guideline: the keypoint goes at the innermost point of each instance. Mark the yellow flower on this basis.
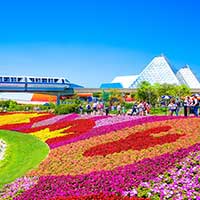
(17, 118)
(46, 134)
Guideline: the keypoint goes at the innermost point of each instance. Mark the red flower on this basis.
(137, 141)
(77, 127)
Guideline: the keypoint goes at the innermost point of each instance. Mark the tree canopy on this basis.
(153, 93)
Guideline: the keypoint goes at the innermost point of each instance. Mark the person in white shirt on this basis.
(119, 109)
(172, 107)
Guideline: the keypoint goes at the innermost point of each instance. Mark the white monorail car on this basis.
(33, 83)
(50, 83)
(7, 83)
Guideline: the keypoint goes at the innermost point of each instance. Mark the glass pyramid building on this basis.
(186, 76)
(158, 70)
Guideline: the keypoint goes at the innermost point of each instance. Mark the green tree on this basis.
(183, 90)
(105, 96)
(146, 92)
(97, 94)
(115, 95)
(168, 89)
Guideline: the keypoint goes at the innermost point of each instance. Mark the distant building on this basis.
(159, 70)
(111, 85)
(126, 81)
(186, 76)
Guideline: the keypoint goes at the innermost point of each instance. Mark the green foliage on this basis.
(133, 95)
(113, 112)
(183, 91)
(23, 152)
(105, 96)
(66, 108)
(146, 92)
(153, 93)
(97, 94)
(115, 96)
(172, 90)
(158, 111)
(45, 107)
(127, 105)
(71, 101)
(155, 197)
(11, 105)
(143, 192)
(5, 103)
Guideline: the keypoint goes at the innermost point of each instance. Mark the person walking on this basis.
(123, 110)
(81, 109)
(134, 110)
(141, 108)
(172, 107)
(94, 108)
(119, 109)
(186, 105)
(178, 106)
(88, 109)
(196, 106)
(106, 110)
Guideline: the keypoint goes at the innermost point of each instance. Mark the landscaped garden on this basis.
(47, 156)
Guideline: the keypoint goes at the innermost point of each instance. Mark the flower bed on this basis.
(102, 157)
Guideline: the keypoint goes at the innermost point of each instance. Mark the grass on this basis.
(23, 153)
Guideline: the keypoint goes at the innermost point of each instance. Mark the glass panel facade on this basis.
(158, 71)
(186, 76)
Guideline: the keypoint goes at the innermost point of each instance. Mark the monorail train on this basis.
(29, 83)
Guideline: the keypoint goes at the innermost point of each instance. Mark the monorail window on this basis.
(44, 80)
(13, 79)
(32, 80)
(50, 80)
(63, 81)
(55, 80)
(6, 79)
(37, 80)
(19, 79)
(0, 79)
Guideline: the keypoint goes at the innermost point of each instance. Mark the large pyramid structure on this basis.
(186, 76)
(158, 70)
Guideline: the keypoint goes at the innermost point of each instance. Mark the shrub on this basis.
(128, 105)
(65, 109)
(158, 111)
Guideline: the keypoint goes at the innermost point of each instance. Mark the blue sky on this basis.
(92, 41)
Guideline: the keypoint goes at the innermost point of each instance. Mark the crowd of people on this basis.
(141, 109)
(94, 108)
(99, 108)
(190, 106)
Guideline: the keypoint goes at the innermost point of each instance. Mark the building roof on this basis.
(110, 85)
(187, 77)
(126, 81)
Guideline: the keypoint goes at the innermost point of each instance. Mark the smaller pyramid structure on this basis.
(158, 70)
(126, 81)
(187, 77)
